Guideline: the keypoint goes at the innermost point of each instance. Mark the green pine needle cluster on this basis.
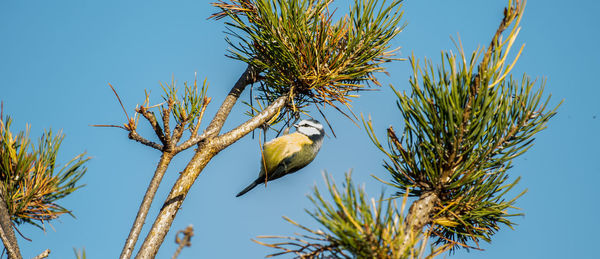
(300, 50)
(464, 123)
(29, 177)
(355, 227)
(188, 107)
(80, 254)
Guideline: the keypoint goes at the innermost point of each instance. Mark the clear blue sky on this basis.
(56, 58)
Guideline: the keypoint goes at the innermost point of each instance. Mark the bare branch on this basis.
(120, 102)
(216, 124)
(190, 142)
(135, 136)
(44, 254)
(134, 233)
(109, 126)
(232, 136)
(166, 115)
(177, 133)
(188, 233)
(179, 191)
(206, 151)
(21, 234)
(205, 103)
(152, 120)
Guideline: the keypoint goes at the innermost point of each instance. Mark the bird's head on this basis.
(311, 128)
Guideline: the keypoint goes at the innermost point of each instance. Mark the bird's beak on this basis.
(296, 126)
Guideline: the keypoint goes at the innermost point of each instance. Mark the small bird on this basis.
(289, 153)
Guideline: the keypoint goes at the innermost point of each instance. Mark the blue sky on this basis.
(56, 58)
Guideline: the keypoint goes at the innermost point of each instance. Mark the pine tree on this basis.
(465, 121)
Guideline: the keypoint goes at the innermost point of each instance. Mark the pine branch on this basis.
(354, 226)
(30, 184)
(205, 152)
(464, 124)
(151, 118)
(299, 48)
(184, 114)
(135, 136)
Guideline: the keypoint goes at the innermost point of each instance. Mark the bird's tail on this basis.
(247, 189)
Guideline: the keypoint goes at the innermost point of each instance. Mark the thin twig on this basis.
(177, 133)
(216, 124)
(205, 103)
(44, 254)
(166, 115)
(121, 103)
(230, 137)
(326, 120)
(151, 118)
(21, 234)
(188, 233)
(135, 136)
(108, 126)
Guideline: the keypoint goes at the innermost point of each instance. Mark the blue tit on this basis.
(289, 153)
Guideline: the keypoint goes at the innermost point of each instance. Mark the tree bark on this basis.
(420, 211)
(419, 215)
(134, 234)
(248, 77)
(7, 234)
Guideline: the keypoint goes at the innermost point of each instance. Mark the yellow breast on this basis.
(277, 149)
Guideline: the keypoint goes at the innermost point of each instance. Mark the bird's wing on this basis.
(285, 146)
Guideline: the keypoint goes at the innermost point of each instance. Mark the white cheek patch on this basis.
(312, 124)
(309, 131)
